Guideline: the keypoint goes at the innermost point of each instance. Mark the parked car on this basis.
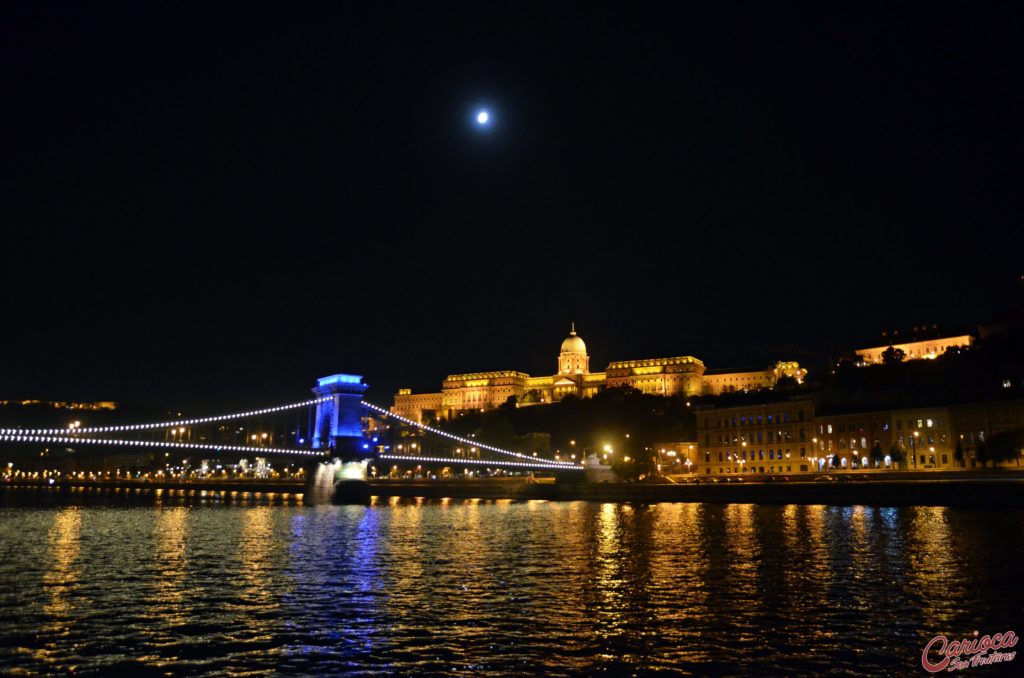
(824, 479)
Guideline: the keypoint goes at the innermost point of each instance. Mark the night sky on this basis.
(208, 207)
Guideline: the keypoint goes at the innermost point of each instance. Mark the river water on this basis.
(466, 587)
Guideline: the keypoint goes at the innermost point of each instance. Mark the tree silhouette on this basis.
(1006, 446)
(898, 453)
(893, 355)
(982, 453)
(876, 455)
(958, 453)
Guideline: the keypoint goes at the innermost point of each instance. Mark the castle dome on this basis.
(573, 344)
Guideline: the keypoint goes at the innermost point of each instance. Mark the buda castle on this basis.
(657, 376)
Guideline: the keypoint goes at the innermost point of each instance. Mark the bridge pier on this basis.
(341, 477)
(337, 481)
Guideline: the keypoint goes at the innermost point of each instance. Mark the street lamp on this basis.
(913, 443)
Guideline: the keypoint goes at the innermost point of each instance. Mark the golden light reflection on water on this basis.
(929, 563)
(255, 553)
(793, 530)
(579, 588)
(679, 565)
(170, 536)
(743, 552)
(60, 578)
(814, 568)
(605, 571)
(404, 544)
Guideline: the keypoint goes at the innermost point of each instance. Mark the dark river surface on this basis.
(467, 587)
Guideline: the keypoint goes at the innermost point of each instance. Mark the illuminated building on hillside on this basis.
(716, 382)
(923, 343)
(658, 376)
(681, 375)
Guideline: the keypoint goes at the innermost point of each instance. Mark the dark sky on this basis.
(208, 206)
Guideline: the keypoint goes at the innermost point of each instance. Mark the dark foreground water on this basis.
(473, 587)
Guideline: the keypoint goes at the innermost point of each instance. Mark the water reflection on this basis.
(929, 563)
(254, 551)
(503, 588)
(60, 581)
(169, 535)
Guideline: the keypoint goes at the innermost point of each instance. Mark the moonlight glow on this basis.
(482, 117)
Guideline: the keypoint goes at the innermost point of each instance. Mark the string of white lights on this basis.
(64, 436)
(267, 450)
(165, 424)
(464, 441)
(21, 438)
(477, 462)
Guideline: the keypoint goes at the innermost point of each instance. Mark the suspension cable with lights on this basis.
(165, 424)
(20, 438)
(467, 441)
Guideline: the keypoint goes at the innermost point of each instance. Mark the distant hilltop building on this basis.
(62, 404)
(922, 343)
(657, 376)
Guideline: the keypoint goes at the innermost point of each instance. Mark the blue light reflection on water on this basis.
(505, 588)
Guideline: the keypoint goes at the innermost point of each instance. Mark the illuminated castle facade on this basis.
(658, 376)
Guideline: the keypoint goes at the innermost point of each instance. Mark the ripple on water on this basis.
(498, 588)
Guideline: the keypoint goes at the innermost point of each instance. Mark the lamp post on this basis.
(913, 444)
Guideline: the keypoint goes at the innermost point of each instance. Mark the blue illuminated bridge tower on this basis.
(339, 434)
(339, 424)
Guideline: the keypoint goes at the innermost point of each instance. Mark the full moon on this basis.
(482, 117)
